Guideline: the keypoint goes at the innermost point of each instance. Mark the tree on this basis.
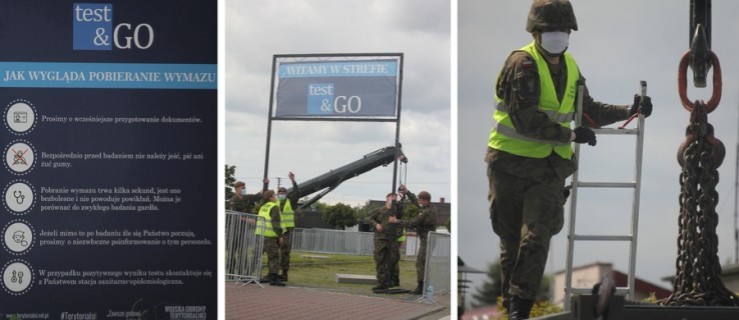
(409, 210)
(339, 215)
(487, 295)
(230, 180)
(320, 206)
(362, 212)
(491, 289)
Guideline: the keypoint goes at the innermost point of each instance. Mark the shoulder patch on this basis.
(527, 64)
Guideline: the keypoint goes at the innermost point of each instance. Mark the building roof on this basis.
(620, 279)
(589, 265)
(727, 271)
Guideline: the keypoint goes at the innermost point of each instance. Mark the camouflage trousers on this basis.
(272, 248)
(395, 277)
(386, 257)
(421, 259)
(525, 214)
(285, 248)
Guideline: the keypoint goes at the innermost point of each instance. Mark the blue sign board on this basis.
(108, 182)
(353, 88)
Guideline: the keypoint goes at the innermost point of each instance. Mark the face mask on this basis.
(243, 192)
(555, 42)
(281, 197)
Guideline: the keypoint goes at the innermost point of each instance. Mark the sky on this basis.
(618, 44)
(420, 29)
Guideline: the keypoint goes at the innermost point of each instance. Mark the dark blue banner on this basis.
(350, 88)
(110, 145)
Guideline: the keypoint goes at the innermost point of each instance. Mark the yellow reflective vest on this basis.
(503, 135)
(402, 236)
(287, 216)
(265, 226)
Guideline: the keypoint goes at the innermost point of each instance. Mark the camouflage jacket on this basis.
(274, 215)
(382, 215)
(292, 197)
(245, 204)
(424, 221)
(518, 86)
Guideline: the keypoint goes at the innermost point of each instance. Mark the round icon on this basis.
(17, 277)
(18, 197)
(19, 157)
(20, 117)
(18, 237)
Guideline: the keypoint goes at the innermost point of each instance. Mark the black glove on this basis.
(646, 106)
(583, 134)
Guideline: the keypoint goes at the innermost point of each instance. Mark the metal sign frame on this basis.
(335, 57)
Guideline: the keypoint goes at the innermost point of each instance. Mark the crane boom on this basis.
(332, 179)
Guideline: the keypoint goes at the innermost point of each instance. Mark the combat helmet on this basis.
(551, 14)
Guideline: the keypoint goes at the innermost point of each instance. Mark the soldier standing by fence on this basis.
(385, 241)
(422, 223)
(288, 201)
(242, 201)
(272, 233)
(245, 203)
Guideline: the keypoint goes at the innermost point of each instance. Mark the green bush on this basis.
(541, 308)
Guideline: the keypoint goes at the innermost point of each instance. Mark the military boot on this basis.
(419, 289)
(283, 276)
(520, 308)
(380, 287)
(274, 281)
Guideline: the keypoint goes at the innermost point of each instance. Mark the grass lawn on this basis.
(308, 270)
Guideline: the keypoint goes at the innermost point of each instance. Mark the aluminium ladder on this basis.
(635, 185)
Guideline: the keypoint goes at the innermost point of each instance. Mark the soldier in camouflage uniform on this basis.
(245, 203)
(529, 152)
(422, 223)
(272, 233)
(385, 241)
(288, 203)
(242, 201)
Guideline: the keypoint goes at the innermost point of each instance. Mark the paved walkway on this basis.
(254, 302)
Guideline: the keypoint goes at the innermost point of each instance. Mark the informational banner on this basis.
(330, 87)
(110, 157)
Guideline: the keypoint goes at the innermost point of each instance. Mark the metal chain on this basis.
(698, 277)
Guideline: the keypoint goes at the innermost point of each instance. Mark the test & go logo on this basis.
(93, 29)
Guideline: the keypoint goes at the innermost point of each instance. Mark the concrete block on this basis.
(355, 278)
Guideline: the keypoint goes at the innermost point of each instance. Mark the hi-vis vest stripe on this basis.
(503, 135)
(287, 216)
(267, 226)
(402, 237)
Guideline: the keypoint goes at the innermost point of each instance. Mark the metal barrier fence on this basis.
(437, 278)
(333, 241)
(243, 247)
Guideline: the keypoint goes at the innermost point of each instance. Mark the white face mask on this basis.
(243, 192)
(555, 42)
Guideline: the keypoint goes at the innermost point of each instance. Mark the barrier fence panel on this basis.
(412, 243)
(243, 247)
(333, 241)
(437, 278)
